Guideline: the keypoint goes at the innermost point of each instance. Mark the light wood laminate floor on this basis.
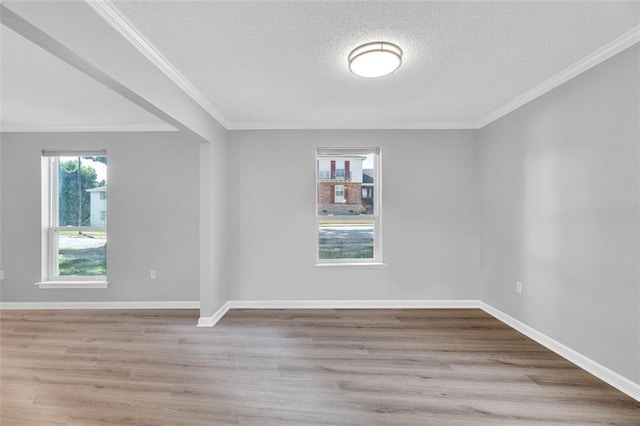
(290, 367)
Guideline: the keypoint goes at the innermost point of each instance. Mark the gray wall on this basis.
(430, 238)
(153, 216)
(1, 214)
(560, 211)
(214, 265)
(555, 186)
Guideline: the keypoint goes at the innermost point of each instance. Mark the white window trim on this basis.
(376, 216)
(365, 265)
(72, 284)
(50, 277)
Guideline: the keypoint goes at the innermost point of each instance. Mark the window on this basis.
(339, 194)
(340, 165)
(74, 216)
(348, 206)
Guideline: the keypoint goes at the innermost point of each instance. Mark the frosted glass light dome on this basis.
(375, 59)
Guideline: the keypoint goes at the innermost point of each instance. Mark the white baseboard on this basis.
(102, 305)
(354, 304)
(603, 373)
(336, 304)
(213, 319)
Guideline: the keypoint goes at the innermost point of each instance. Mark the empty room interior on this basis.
(319, 213)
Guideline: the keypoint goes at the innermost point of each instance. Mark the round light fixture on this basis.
(375, 59)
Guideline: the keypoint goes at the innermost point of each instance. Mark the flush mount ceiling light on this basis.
(375, 59)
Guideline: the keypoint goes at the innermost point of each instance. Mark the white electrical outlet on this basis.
(152, 274)
(518, 287)
(1, 275)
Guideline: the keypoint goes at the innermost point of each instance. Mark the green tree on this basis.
(100, 159)
(74, 206)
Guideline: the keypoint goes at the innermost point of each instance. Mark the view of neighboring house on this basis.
(367, 189)
(98, 215)
(340, 182)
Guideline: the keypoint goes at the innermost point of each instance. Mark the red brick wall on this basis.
(354, 190)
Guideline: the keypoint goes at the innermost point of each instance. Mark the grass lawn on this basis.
(83, 262)
(346, 253)
(82, 253)
(349, 237)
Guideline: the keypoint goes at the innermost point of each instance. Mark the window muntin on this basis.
(348, 206)
(77, 216)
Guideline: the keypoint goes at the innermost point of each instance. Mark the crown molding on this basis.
(619, 44)
(107, 11)
(364, 125)
(144, 127)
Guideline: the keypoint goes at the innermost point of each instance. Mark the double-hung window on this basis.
(74, 203)
(348, 209)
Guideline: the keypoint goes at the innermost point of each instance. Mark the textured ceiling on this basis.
(40, 92)
(261, 62)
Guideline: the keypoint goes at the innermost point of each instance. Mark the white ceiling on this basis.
(283, 64)
(40, 92)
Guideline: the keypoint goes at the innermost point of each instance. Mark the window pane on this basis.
(82, 189)
(345, 184)
(82, 253)
(345, 238)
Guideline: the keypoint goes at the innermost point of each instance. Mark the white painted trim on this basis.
(150, 127)
(354, 304)
(72, 284)
(213, 319)
(603, 373)
(126, 29)
(364, 125)
(101, 305)
(335, 304)
(621, 43)
(351, 264)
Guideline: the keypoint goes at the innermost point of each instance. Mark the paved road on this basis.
(354, 236)
(80, 243)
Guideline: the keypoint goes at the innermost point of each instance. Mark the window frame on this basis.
(376, 216)
(51, 225)
(342, 198)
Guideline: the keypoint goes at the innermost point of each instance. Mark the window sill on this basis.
(73, 284)
(340, 265)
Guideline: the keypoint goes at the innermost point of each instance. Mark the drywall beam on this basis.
(76, 33)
